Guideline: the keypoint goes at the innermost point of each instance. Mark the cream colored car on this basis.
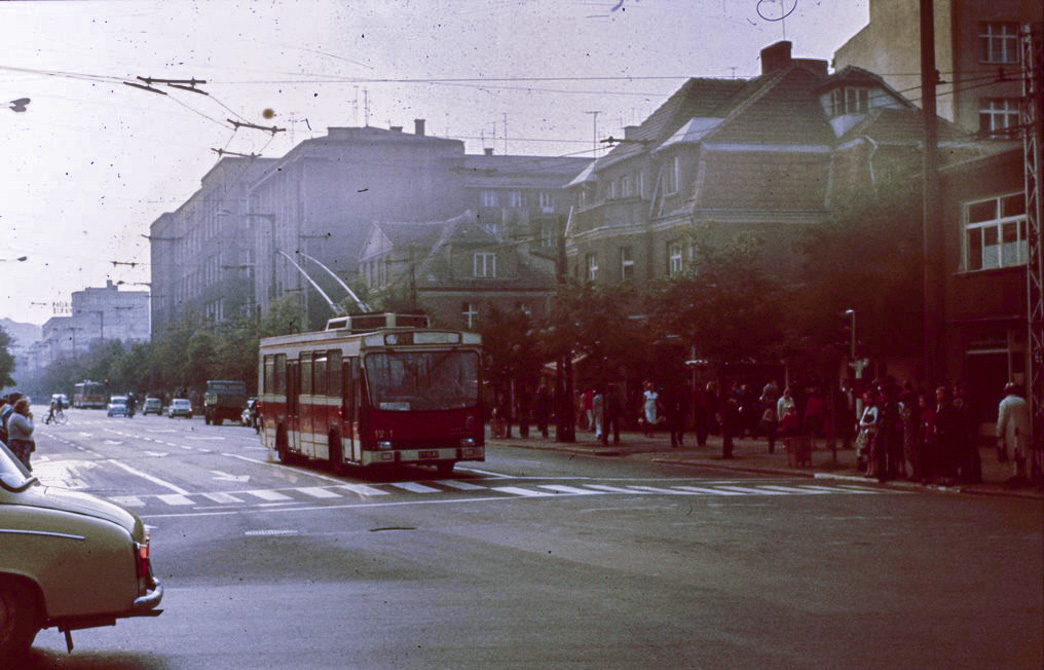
(67, 560)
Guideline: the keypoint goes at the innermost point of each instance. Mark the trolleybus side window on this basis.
(334, 367)
(348, 386)
(306, 373)
(270, 374)
(280, 374)
(319, 385)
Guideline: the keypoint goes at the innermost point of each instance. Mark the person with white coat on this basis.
(1014, 432)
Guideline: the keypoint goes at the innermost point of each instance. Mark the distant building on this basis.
(202, 255)
(976, 54)
(98, 315)
(454, 270)
(253, 230)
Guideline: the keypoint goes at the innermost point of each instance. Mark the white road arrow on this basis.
(225, 477)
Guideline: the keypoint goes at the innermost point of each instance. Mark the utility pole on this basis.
(595, 134)
(1032, 122)
(932, 242)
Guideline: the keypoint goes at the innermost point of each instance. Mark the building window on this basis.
(469, 312)
(625, 187)
(995, 232)
(516, 199)
(849, 100)
(612, 189)
(582, 202)
(592, 267)
(672, 178)
(485, 264)
(999, 43)
(626, 264)
(675, 261)
(639, 184)
(490, 199)
(547, 235)
(998, 114)
(547, 203)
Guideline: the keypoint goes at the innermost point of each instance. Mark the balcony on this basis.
(612, 213)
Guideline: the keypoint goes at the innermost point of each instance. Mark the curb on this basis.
(612, 452)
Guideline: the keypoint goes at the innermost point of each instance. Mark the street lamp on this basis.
(857, 364)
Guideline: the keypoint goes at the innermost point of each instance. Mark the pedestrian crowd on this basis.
(898, 431)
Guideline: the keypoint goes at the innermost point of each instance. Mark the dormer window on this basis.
(849, 100)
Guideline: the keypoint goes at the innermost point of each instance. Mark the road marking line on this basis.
(317, 492)
(414, 487)
(268, 495)
(154, 480)
(571, 489)
(528, 493)
(860, 489)
(752, 490)
(798, 489)
(713, 492)
(616, 489)
(461, 486)
(363, 490)
(674, 492)
(175, 499)
(224, 498)
(128, 501)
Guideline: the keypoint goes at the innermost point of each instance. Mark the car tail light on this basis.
(141, 555)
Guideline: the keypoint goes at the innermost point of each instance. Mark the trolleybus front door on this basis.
(293, 406)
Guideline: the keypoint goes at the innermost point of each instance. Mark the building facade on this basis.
(203, 254)
(98, 315)
(976, 54)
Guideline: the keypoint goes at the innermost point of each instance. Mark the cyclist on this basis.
(50, 414)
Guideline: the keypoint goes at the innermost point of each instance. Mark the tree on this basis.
(867, 259)
(726, 304)
(284, 316)
(7, 362)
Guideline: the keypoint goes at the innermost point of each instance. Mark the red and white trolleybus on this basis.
(373, 389)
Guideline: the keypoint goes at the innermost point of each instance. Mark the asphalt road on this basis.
(539, 559)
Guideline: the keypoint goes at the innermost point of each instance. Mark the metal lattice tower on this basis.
(1031, 123)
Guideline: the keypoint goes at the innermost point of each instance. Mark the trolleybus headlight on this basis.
(384, 445)
(467, 442)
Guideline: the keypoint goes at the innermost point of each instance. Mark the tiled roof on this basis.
(521, 171)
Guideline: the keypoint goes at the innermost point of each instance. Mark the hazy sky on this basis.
(93, 162)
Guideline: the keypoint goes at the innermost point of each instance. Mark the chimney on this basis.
(775, 57)
(629, 132)
(418, 127)
(489, 152)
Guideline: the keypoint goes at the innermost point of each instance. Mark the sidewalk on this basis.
(751, 456)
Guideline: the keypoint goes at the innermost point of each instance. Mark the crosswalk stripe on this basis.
(175, 499)
(859, 489)
(674, 492)
(271, 496)
(712, 492)
(571, 489)
(223, 498)
(414, 487)
(752, 490)
(128, 501)
(616, 489)
(363, 490)
(528, 493)
(318, 492)
(798, 489)
(460, 486)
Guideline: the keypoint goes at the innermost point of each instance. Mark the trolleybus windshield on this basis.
(423, 380)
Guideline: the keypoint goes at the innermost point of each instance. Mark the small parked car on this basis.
(180, 407)
(118, 406)
(67, 560)
(152, 406)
